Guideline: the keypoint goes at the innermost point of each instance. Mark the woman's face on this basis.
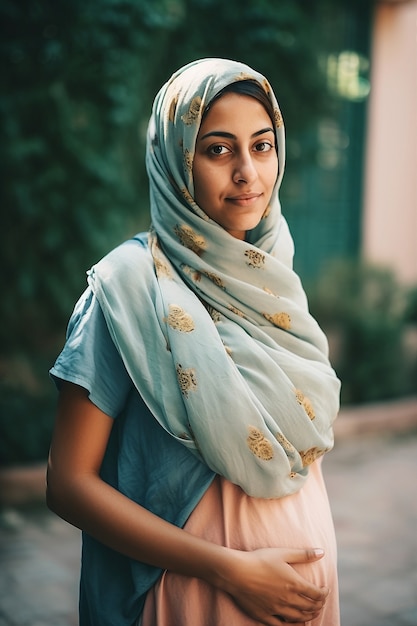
(235, 163)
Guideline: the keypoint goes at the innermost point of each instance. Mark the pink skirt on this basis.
(227, 516)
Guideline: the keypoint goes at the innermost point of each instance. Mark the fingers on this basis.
(283, 620)
(305, 555)
(276, 620)
(309, 590)
(272, 587)
(289, 606)
(290, 615)
(304, 602)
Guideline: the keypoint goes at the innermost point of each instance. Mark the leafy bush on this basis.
(25, 425)
(77, 82)
(27, 401)
(364, 307)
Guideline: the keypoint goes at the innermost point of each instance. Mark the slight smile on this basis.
(244, 199)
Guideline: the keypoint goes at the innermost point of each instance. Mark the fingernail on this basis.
(318, 551)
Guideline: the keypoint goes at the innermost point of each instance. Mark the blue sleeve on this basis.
(91, 360)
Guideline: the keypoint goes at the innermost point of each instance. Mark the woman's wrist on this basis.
(222, 571)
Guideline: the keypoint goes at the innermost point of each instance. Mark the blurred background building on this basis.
(358, 196)
(390, 192)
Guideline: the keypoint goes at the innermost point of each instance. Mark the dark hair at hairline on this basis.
(246, 88)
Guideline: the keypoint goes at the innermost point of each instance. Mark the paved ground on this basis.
(372, 481)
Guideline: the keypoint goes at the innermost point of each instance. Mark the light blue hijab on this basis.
(215, 332)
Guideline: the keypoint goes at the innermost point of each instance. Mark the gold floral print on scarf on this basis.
(215, 279)
(244, 76)
(187, 379)
(309, 456)
(190, 239)
(179, 319)
(266, 212)
(172, 108)
(271, 293)
(187, 196)
(162, 268)
(267, 87)
(192, 273)
(236, 311)
(277, 113)
(255, 258)
(193, 112)
(259, 445)
(188, 160)
(287, 445)
(305, 403)
(281, 320)
(278, 118)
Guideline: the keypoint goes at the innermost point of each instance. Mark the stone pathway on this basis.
(372, 483)
(39, 556)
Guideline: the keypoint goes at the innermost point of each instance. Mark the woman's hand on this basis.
(266, 586)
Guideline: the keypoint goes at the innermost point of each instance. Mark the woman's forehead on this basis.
(232, 110)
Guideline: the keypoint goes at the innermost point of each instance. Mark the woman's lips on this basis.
(244, 199)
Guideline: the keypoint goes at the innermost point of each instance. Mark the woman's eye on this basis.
(217, 150)
(263, 146)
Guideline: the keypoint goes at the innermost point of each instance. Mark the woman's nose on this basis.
(245, 170)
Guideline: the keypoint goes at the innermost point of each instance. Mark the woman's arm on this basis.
(262, 582)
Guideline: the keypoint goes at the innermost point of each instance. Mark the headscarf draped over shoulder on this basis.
(215, 332)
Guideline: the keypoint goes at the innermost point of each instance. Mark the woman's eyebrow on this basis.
(221, 133)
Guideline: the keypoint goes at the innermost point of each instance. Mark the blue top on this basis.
(142, 461)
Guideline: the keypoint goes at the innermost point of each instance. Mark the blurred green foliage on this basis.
(25, 418)
(77, 83)
(365, 313)
(69, 104)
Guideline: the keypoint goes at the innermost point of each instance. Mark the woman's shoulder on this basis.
(131, 260)
(129, 253)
